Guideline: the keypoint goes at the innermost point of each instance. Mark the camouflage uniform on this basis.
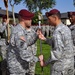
(3, 46)
(72, 28)
(3, 35)
(62, 56)
(34, 50)
(34, 27)
(20, 54)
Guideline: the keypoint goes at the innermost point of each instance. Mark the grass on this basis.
(46, 53)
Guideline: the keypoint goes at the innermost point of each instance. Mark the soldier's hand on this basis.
(38, 32)
(7, 21)
(41, 60)
(22, 38)
(41, 36)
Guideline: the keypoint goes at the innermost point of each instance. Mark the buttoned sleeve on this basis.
(59, 45)
(22, 46)
(32, 40)
(50, 41)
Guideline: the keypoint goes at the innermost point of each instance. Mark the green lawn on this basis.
(46, 53)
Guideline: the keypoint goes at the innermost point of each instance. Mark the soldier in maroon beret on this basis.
(22, 42)
(71, 16)
(52, 12)
(25, 14)
(62, 58)
(3, 45)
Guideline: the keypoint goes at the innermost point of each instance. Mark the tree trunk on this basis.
(13, 14)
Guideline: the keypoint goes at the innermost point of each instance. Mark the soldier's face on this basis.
(72, 19)
(27, 23)
(51, 20)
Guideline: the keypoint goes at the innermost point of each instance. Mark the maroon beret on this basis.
(25, 14)
(4, 17)
(71, 13)
(52, 12)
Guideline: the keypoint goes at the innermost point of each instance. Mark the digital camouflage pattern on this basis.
(20, 53)
(62, 53)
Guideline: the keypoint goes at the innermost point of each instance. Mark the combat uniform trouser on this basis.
(67, 71)
(3, 51)
(0, 61)
(18, 68)
(3, 63)
(74, 60)
(74, 64)
(0, 69)
(32, 68)
(4, 68)
(29, 71)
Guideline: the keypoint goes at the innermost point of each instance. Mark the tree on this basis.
(34, 5)
(38, 6)
(12, 3)
(74, 2)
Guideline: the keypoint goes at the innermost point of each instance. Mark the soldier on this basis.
(71, 16)
(3, 46)
(62, 58)
(20, 56)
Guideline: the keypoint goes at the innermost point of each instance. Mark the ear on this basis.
(55, 17)
(22, 19)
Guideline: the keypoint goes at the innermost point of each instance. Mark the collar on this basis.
(59, 25)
